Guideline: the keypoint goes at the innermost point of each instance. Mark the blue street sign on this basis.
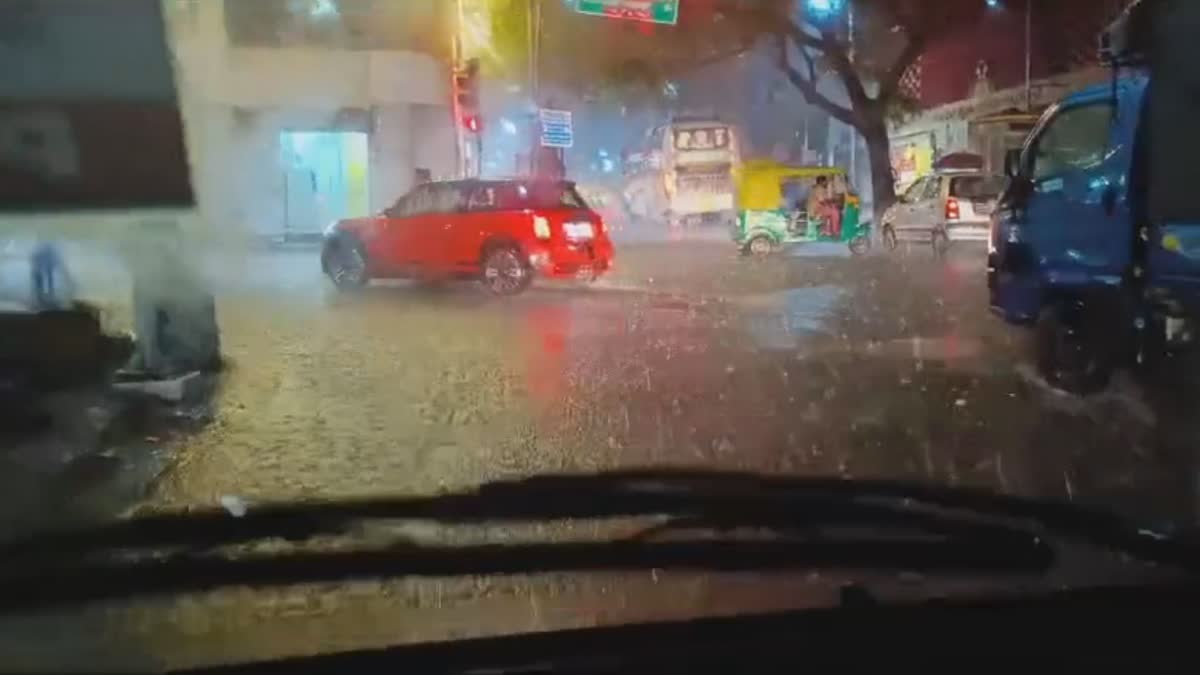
(557, 128)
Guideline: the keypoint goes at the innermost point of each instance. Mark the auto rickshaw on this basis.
(777, 207)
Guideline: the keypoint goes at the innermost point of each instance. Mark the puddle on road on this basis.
(801, 320)
(781, 320)
(947, 349)
(819, 250)
(956, 353)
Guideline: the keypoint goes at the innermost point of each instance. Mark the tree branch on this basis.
(924, 24)
(838, 57)
(808, 87)
(811, 63)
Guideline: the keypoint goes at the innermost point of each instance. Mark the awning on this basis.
(959, 160)
(1010, 116)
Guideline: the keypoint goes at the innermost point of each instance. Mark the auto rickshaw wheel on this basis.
(860, 245)
(760, 246)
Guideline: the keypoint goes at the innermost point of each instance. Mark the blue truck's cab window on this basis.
(1076, 138)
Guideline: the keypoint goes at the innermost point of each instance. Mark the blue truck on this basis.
(1096, 241)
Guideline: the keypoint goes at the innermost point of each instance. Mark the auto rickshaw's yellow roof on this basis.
(767, 167)
(758, 180)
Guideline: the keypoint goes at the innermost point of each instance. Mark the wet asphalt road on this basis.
(818, 365)
(687, 355)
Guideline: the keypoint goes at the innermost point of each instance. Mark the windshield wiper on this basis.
(752, 498)
(875, 525)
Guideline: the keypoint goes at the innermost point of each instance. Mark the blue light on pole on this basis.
(993, 4)
(824, 7)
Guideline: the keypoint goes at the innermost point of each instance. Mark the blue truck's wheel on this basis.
(1069, 355)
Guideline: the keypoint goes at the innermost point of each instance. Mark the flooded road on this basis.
(688, 355)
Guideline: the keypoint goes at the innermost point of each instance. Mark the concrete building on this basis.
(970, 86)
(299, 112)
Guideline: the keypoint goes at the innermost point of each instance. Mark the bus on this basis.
(683, 172)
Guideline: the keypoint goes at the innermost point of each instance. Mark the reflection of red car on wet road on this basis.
(502, 232)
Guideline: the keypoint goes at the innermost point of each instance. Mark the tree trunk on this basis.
(883, 187)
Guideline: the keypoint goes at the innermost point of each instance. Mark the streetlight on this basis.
(824, 7)
(1028, 55)
(998, 4)
(823, 10)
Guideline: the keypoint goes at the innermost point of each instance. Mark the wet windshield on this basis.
(303, 251)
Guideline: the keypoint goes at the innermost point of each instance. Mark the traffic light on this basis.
(466, 96)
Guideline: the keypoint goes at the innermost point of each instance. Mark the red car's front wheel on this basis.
(505, 272)
(346, 264)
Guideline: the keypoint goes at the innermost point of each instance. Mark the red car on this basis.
(502, 232)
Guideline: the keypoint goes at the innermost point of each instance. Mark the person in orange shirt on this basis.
(821, 204)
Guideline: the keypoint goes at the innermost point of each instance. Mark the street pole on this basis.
(460, 138)
(850, 22)
(537, 49)
(1028, 55)
(531, 39)
(850, 55)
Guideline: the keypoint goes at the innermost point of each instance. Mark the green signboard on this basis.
(654, 11)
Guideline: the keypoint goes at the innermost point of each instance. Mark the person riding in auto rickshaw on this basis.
(780, 204)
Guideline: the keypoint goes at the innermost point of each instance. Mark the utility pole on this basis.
(532, 21)
(460, 138)
(534, 34)
(1028, 55)
(850, 55)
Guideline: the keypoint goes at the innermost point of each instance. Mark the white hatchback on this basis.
(943, 207)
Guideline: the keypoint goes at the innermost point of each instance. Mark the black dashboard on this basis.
(1105, 628)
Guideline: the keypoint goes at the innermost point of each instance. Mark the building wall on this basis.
(953, 127)
(1065, 36)
(238, 99)
(979, 70)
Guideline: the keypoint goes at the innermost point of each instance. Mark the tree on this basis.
(591, 54)
(892, 35)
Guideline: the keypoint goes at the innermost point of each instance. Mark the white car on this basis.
(942, 208)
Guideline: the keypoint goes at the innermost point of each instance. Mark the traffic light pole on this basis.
(460, 148)
(467, 118)
(533, 23)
